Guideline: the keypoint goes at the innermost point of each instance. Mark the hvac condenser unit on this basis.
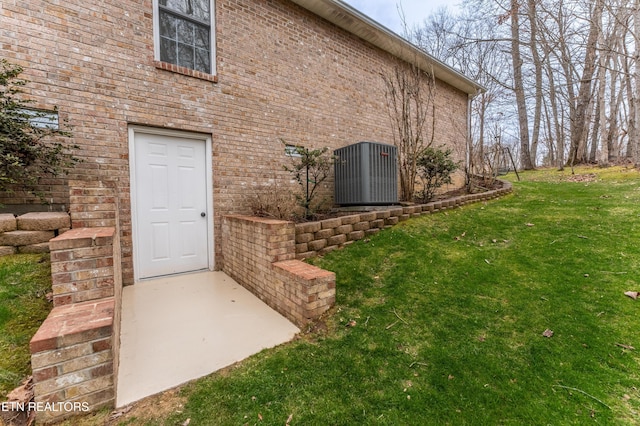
(366, 174)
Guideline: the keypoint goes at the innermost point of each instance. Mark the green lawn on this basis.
(24, 283)
(449, 313)
(440, 320)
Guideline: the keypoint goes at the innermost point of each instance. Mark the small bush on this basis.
(272, 200)
(309, 168)
(27, 152)
(435, 168)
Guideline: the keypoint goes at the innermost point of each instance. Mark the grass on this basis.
(24, 282)
(440, 320)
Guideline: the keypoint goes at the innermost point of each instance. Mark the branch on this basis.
(582, 392)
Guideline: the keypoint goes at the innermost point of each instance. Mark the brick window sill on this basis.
(185, 71)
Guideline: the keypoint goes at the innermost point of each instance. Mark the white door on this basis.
(169, 201)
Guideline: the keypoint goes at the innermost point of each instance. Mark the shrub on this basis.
(26, 153)
(309, 168)
(272, 200)
(435, 168)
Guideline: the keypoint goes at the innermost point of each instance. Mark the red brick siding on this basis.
(282, 72)
(72, 358)
(260, 254)
(82, 265)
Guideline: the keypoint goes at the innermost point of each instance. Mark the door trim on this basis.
(133, 130)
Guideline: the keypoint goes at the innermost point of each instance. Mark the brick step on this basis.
(72, 357)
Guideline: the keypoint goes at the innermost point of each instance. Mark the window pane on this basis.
(198, 9)
(185, 56)
(202, 37)
(185, 32)
(203, 63)
(167, 25)
(183, 41)
(168, 50)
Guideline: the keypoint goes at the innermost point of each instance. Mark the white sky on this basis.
(386, 13)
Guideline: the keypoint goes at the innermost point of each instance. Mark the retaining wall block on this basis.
(356, 235)
(331, 223)
(337, 240)
(43, 221)
(351, 219)
(344, 229)
(8, 222)
(361, 226)
(25, 238)
(34, 248)
(7, 250)
(324, 233)
(317, 245)
(368, 217)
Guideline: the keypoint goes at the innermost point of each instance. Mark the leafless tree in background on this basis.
(410, 94)
(563, 76)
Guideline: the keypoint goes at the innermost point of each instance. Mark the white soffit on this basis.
(350, 19)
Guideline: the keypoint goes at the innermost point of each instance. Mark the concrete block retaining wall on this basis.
(264, 255)
(30, 232)
(318, 238)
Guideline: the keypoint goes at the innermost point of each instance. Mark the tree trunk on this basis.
(537, 63)
(518, 82)
(595, 133)
(555, 112)
(603, 158)
(584, 92)
(635, 136)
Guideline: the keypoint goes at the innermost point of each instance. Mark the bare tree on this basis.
(410, 94)
(567, 74)
(518, 86)
(584, 93)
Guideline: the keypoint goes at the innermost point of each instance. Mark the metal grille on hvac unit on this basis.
(366, 174)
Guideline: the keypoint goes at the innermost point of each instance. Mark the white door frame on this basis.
(135, 129)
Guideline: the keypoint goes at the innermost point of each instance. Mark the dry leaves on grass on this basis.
(20, 396)
(153, 408)
(120, 412)
(582, 178)
(547, 333)
(627, 347)
(632, 294)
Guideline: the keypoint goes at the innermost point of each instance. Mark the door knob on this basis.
(203, 214)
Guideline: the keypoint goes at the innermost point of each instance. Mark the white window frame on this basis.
(212, 34)
(42, 119)
(291, 151)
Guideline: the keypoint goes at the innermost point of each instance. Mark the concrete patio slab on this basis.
(180, 328)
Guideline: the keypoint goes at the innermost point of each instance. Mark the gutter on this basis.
(355, 22)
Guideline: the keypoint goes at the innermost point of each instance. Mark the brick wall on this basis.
(55, 192)
(283, 72)
(82, 265)
(260, 254)
(93, 203)
(72, 359)
(74, 352)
